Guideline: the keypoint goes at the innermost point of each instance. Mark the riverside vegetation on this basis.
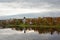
(42, 25)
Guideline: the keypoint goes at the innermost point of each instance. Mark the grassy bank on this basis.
(33, 26)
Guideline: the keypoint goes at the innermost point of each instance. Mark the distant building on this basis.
(24, 20)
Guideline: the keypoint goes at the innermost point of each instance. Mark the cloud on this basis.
(35, 3)
(13, 7)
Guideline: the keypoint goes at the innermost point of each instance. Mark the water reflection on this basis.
(40, 30)
(44, 33)
(37, 34)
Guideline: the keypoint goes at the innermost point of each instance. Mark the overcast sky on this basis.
(13, 7)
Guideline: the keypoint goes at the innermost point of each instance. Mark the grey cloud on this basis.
(30, 5)
(42, 3)
(49, 4)
(32, 1)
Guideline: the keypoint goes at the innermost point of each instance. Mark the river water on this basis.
(9, 34)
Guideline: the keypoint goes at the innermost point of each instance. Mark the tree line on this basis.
(32, 21)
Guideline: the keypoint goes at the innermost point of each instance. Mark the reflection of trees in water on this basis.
(41, 30)
(48, 30)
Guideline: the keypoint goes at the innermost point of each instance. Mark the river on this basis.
(9, 34)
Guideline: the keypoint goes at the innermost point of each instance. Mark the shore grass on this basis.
(33, 26)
